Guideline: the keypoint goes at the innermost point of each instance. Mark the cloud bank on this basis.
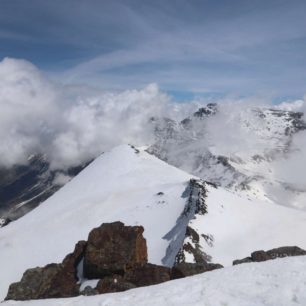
(73, 124)
(68, 124)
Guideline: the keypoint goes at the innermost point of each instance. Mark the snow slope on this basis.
(280, 282)
(119, 185)
(256, 151)
(137, 188)
(239, 226)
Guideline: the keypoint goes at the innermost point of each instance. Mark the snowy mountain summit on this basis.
(185, 219)
(253, 150)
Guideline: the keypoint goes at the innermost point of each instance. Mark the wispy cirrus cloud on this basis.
(241, 47)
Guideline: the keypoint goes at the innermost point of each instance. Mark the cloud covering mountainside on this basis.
(247, 142)
(72, 124)
(69, 124)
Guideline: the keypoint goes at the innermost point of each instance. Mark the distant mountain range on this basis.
(192, 145)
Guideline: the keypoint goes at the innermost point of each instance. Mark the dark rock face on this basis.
(259, 256)
(114, 283)
(52, 281)
(4, 221)
(196, 206)
(112, 248)
(73, 259)
(35, 284)
(210, 110)
(285, 252)
(147, 274)
(240, 261)
(188, 269)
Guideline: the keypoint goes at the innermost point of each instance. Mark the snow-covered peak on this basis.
(124, 184)
(132, 186)
(253, 150)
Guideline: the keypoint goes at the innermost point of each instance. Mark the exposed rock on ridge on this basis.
(113, 248)
(114, 253)
(281, 252)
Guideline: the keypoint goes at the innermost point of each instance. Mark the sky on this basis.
(189, 48)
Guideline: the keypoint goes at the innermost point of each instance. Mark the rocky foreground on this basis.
(116, 257)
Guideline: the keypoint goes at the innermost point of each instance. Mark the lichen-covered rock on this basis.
(51, 281)
(188, 269)
(35, 283)
(285, 252)
(112, 248)
(259, 256)
(147, 274)
(114, 283)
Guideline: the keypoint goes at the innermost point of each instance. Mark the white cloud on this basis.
(69, 124)
(72, 124)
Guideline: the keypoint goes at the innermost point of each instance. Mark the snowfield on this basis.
(280, 282)
(119, 185)
(138, 189)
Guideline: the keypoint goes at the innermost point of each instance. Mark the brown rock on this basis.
(185, 269)
(112, 248)
(260, 256)
(34, 283)
(286, 251)
(73, 259)
(52, 281)
(147, 274)
(114, 283)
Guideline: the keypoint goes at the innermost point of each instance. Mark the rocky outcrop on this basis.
(147, 274)
(196, 207)
(112, 248)
(261, 255)
(51, 281)
(209, 110)
(114, 283)
(114, 253)
(188, 269)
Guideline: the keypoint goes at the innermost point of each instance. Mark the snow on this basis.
(262, 151)
(126, 185)
(280, 282)
(119, 185)
(240, 226)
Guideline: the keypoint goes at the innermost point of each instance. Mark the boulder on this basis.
(51, 281)
(185, 269)
(259, 256)
(285, 252)
(114, 283)
(147, 274)
(35, 284)
(112, 248)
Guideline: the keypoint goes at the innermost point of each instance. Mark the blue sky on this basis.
(189, 48)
